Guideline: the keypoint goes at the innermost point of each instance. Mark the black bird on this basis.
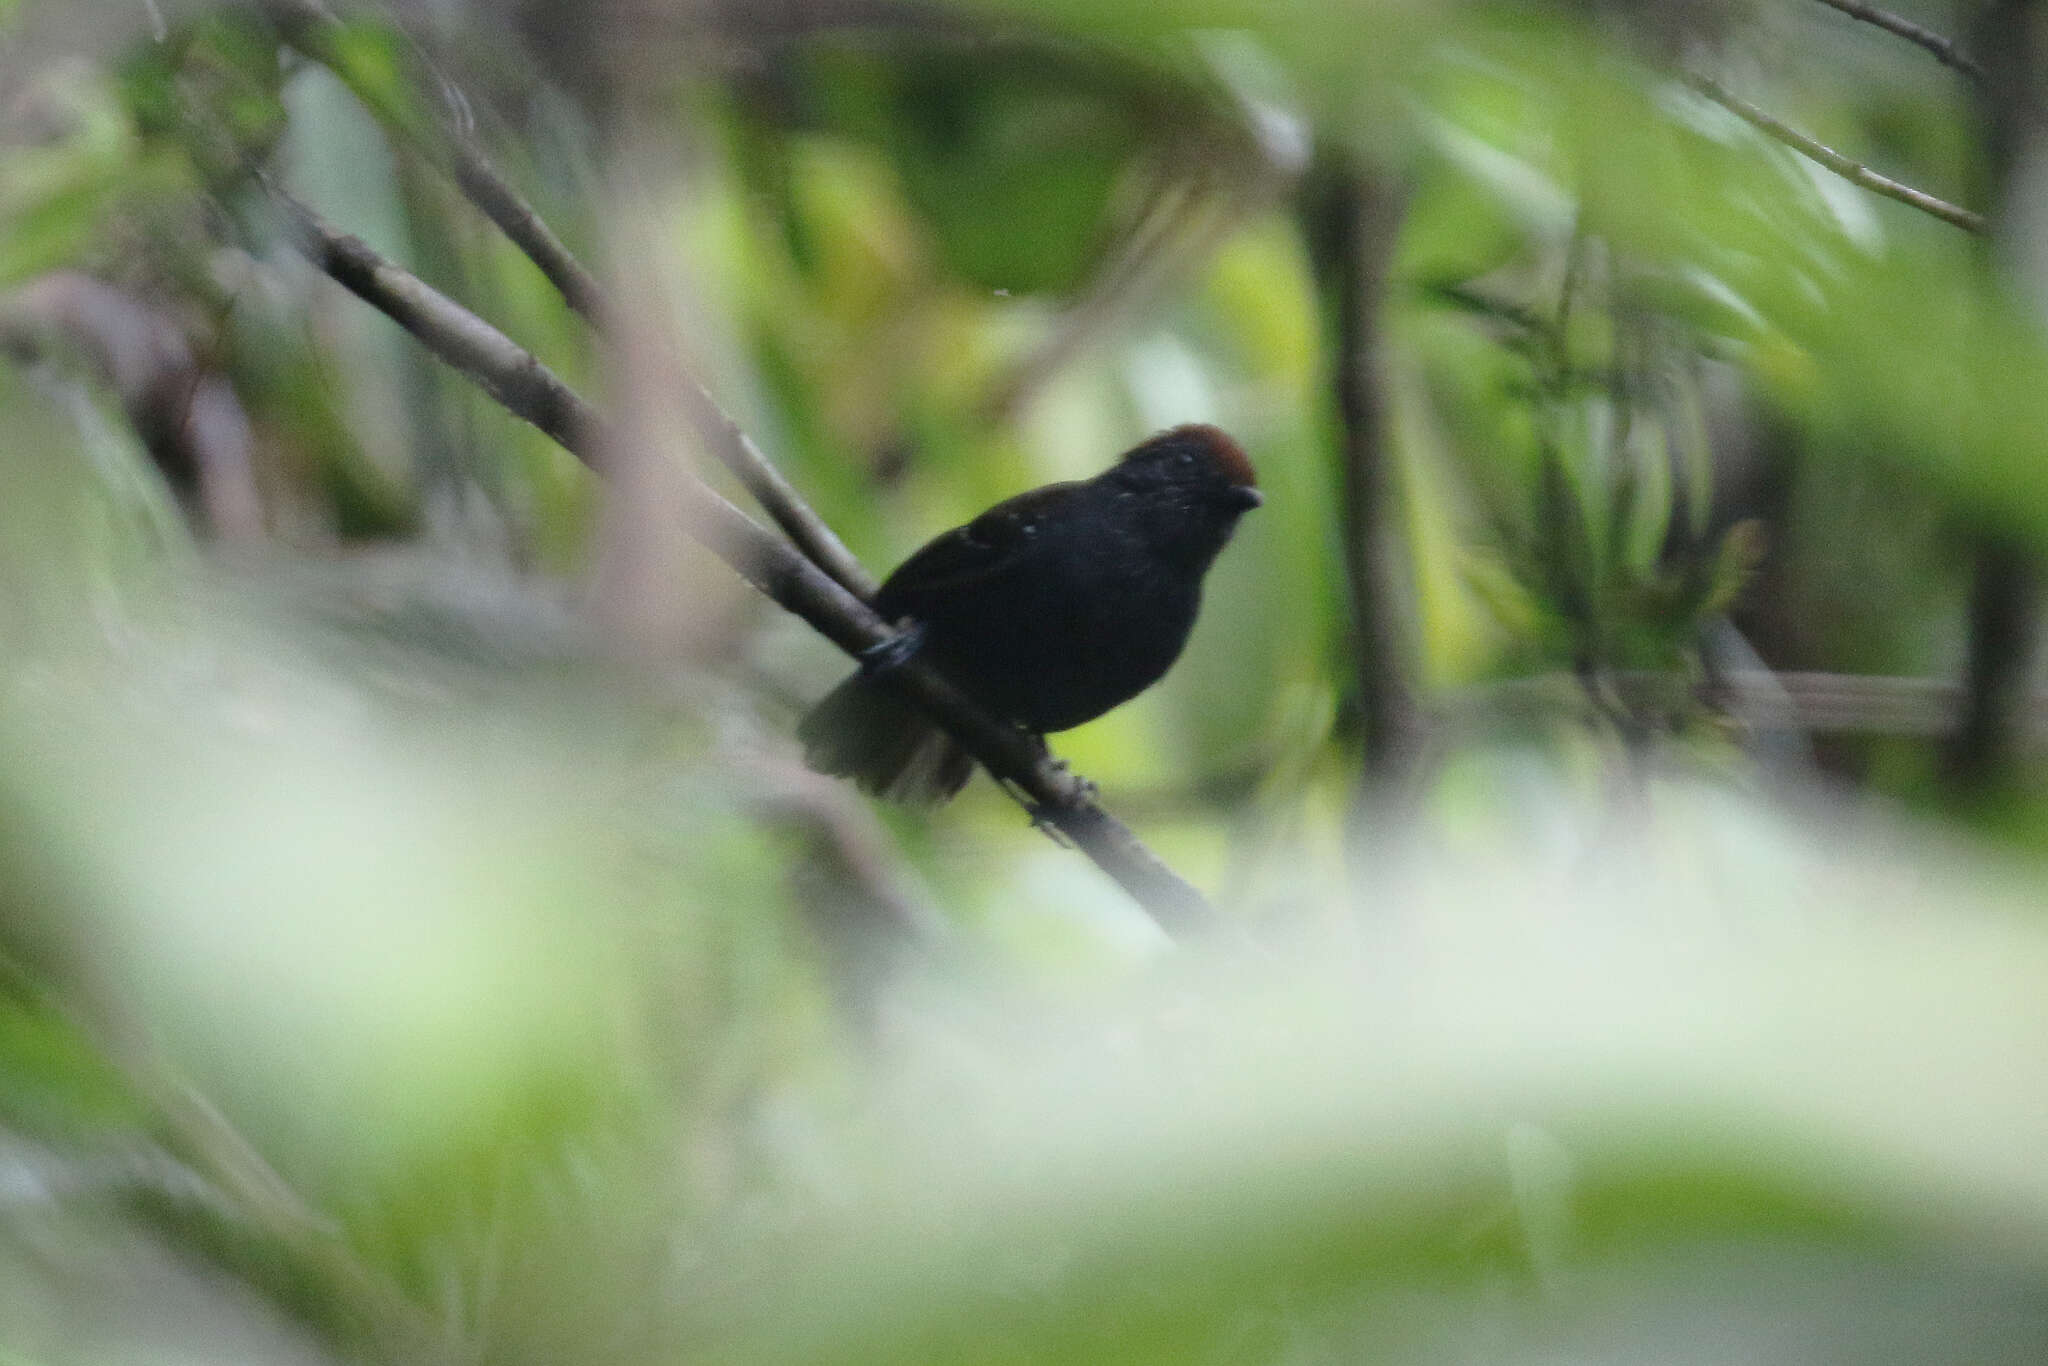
(1049, 609)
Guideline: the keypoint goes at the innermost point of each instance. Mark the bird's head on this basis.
(1189, 484)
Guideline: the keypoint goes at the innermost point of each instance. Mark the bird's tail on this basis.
(864, 731)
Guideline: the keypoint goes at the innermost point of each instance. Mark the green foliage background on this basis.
(419, 940)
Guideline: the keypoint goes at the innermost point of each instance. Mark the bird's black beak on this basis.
(1244, 497)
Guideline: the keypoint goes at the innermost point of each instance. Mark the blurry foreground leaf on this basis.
(1767, 1133)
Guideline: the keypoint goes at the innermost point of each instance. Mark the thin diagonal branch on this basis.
(505, 370)
(776, 495)
(311, 28)
(318, 33)
(1944, 49)
(1855, 172)
(528, 389)
(1056, 795)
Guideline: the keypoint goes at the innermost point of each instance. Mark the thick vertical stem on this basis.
(2004, 599)
(2006, 589)
(1353, 219)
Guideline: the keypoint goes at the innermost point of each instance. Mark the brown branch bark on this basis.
(1056, 796)
(776, 495)
(315, 31)
(1354, 219)
(1855, 172)
(500, 366)
(1944, 49)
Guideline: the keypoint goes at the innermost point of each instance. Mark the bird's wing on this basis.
(970, 554)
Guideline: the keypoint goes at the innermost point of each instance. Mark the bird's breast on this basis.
(1059, 643)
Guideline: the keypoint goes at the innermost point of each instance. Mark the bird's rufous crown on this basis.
(1229, 457)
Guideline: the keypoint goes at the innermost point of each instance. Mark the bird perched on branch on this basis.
(1049, 609)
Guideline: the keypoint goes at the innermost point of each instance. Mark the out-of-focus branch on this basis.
(1944, 49)
(2005, 591)
(1518, 317)
(315, 31)
(1855, 172)
(776, 495)
(1819, 703)
(504, 369)
(187, 414)
(848, 835)
(2004, 597)
(1353, 222)
(1057, 797)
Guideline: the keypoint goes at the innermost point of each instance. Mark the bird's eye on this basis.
(1187, 458)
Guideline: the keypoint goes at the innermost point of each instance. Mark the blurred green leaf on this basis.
(1009, 161)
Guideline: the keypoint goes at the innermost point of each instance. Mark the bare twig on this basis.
(1057, 796)
(490, 192)
(776, 495)
(505, 370)
(314, 30)
(1944, 49)
(1855, 172)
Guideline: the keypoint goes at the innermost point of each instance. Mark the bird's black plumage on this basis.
(1049, 609)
